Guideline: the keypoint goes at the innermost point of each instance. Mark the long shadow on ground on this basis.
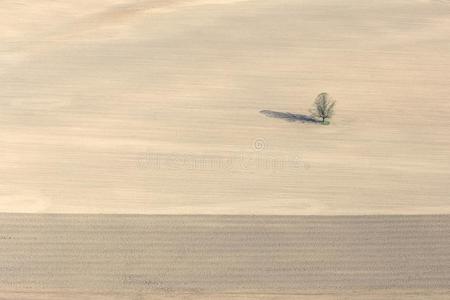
(289, 116)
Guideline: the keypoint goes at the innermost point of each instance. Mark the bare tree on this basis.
(323, 107)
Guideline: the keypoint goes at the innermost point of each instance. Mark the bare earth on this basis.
(121, 106)
(224, 257)
(193, 109)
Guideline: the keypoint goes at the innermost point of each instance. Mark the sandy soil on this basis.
(52, 295)
(224, 257)
(120, 106)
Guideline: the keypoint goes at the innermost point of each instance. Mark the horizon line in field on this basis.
(224, 215)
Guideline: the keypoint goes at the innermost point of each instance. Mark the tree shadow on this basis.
(289, 116)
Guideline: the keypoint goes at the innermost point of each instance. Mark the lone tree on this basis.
(323, 107)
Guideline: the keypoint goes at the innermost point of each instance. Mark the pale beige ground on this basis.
(224, 257)
(121, 106)
(51, 295)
